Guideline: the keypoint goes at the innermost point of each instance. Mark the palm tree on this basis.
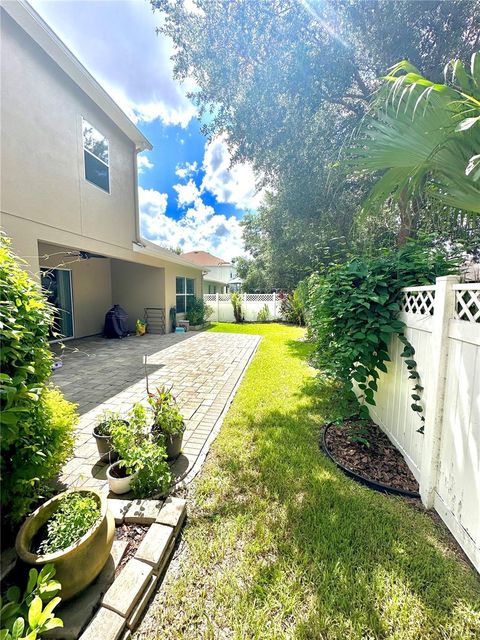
(425, 137)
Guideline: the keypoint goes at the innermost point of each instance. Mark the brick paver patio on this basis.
(203, 370)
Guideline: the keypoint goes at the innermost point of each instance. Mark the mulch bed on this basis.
(134, 534)
(380, 462)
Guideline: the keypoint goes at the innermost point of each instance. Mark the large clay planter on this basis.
(78, 565)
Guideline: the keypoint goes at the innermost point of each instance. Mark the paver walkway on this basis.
(203, 370)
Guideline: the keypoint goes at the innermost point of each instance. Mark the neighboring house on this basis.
(69, 193)
(220, 276)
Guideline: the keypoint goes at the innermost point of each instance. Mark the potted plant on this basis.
(74, 531)
(167, 421)
(102, 432)
(142, 467)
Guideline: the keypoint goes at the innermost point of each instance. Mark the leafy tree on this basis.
(289, 82)
(425, 137)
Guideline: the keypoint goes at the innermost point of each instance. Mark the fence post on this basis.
(274, 305)
(444, 308)
(218, 308)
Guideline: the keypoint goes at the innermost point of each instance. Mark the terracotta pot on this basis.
(117, 482)
(80, 563)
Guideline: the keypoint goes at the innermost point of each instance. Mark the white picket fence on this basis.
(252, 303)
(443, 325)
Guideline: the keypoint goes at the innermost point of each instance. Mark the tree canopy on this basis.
(289, 82)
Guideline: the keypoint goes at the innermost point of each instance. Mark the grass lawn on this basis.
(279, 544)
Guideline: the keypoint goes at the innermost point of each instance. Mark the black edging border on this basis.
(372, 484)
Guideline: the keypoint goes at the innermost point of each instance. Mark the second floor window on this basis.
(185, 293)
(95, 154)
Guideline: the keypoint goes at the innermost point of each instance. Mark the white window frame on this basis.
(185, 294)
(107, 164)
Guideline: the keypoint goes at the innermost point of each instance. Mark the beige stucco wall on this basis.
(91, 287)
(42, 177)
(136, 286)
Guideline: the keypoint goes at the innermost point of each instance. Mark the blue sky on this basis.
(189, 194)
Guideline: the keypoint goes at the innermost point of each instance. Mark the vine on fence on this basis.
(354, 308)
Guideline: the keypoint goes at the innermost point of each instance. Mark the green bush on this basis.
(353, 310)
(167, 419)
(36, 421)
(264, 314)
(293, 306)
(198, 313)
(76, 514)
(28, 616)
(45, 442)
(236, 300)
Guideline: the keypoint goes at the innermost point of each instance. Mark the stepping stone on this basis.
(119, 508)
(128, 587)
(106, 625)
(154, 544)
(143, 511)
(173, 513)
(77, 612)
(139, 608)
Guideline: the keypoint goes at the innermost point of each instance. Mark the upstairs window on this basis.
(185, 294)
(95, 154)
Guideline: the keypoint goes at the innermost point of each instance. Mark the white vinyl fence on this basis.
(443, 325)
(252, 303)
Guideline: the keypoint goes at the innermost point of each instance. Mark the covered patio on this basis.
(203, 370)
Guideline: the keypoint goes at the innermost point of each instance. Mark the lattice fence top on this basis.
(260, 297)
(467, 303)
(224, 297)
(209, 297)
(418, 300)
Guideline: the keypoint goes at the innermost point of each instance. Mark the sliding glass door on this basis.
(57, 286)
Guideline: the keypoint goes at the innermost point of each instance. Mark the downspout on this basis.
(138, 235)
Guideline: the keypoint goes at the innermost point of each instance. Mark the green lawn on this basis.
(279, 544)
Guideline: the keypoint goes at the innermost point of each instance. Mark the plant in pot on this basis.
(74, 531)
(167, 421)
(102, 432)
(142, 467)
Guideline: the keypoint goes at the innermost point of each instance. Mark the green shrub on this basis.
(293, 306)
(354, 308)
(198, 313)
(236, 300)
(106, 422)
(24, 617)
(44, 444)
(36, 422)
(76, 514)
(264, 314)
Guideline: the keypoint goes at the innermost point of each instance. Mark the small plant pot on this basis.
(80, 563)
(118, 481)
(104, 446)
(174, 445)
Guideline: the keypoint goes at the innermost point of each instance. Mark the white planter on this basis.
(119, 485)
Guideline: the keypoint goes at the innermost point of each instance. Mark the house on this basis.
(220, 276)
(69, 193)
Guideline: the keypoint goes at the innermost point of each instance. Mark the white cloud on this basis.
(230, 184)
(199, 228)
(187, 193)
(135, 69)
(143, 163)
(186, 170)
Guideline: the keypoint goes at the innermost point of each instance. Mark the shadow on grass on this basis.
(359, 553)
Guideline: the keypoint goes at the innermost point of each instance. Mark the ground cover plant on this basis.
(280, 544)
